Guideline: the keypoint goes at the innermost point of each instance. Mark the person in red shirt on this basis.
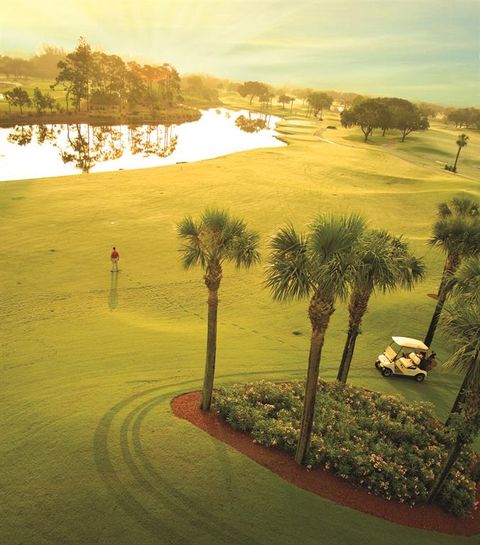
(114, 257)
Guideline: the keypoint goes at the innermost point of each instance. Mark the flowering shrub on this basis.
(375, 440)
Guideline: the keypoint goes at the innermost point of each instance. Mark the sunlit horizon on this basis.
(421, 50)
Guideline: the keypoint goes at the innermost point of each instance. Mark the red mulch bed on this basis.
(322, 482)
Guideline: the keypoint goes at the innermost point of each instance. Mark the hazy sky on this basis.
(419, 49)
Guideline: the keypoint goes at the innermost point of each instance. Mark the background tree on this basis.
(408, 118)
(18, 97)
(367, 115)
(383, 263)
(75, 73)
(215, 239)
(45, 64)
(201, 86)
(457, 233)
(348, 118)
(252, 89)
(315, 265)
(465, 117)
(319, 102)
(385, 117)
(284, 99)
(43, 101)
(462, 141)
(108, 77)
(266, 99)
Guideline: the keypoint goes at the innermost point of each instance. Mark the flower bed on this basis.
(392, 448)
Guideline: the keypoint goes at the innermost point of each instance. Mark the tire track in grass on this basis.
(123, 496)
(164, 490)
(122, 493)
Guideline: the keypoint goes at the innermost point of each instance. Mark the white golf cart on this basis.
(406, 357)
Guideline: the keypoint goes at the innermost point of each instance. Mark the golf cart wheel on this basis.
(387, 372)
(419, 377)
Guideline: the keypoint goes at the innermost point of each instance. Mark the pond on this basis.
(40, 151)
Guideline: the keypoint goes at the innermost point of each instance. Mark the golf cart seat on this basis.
(415, 359)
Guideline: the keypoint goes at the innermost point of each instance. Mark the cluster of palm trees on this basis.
(339, 258)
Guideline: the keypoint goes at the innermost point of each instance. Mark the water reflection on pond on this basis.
(36, 151)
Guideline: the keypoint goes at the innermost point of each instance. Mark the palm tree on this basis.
(467, 278)
(457, 233)
(466, 290)
(462, 324)
(215, 239)
(315, 265)
(384, 263)
(462, 141)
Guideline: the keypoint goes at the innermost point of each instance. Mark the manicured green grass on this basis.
(431, 149)
(90, 451)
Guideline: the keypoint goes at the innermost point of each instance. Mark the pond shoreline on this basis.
(30, 150)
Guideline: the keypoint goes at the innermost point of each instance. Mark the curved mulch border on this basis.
(322, 482)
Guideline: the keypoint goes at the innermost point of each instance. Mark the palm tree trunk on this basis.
(456, 159)
(461, 396)
(211, 351)
(445, 471)
(320, 312)
(357, 308)
(451, 265)
(464, 389)
(347, 354)
(213, 276)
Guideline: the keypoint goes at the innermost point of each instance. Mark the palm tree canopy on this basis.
(461, 322)
(462, 140)
(384, 262)
(217, 237)
(463, 207)
(467, 278)
(317, 262)
(460, 235)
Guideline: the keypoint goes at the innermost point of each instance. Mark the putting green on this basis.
(90, 451)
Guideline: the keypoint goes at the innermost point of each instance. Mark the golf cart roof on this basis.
(407, 342)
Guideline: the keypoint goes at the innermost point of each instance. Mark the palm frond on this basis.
(187, 228)
(465, 207)
(444, 210)
(330, 235)
(191, 256)
(244, 250)
(467, 278)
(288, 269)
(461, 322)
(191, 250)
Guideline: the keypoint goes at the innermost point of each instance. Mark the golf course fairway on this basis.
(91, 452)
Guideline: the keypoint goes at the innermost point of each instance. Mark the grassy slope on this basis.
(90, 452)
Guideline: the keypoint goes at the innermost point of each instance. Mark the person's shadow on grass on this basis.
(113, 294)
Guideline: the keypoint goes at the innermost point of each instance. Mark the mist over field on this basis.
(422, 50)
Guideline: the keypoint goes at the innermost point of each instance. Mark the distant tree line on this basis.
(201, 86)
(101, 80)
(468, 118)
(385, 114)
(43, 65)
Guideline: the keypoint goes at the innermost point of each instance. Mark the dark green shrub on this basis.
(378, 441)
